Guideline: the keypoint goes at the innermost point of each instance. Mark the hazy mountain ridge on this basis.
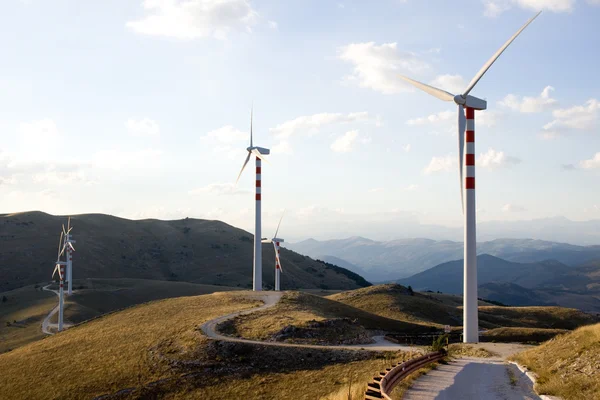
(542, 283)
(385, 261)
(190, 250)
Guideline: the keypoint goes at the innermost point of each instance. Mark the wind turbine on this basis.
(276, 241)
(468, 103)
(60, 268)
(68, 246)
(258, 152)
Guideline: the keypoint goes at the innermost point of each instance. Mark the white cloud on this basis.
(594, 162)
(411, 188)
(496, 159)
(493, 8)
(376, 190)
(344, 143)
(377, 67)
(530, 104)
(406, 148)
(433, 118)
(311, 124)
(144, 127)
(192, 19)
(439, 164)
(228, 134)
(513, 208)
(451, 83)
(584, 117)
(219, 189)
(282, 147)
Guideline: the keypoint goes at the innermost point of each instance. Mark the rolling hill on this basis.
(391, 260)
(188, 250)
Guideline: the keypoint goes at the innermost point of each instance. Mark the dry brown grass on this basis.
(523, 335)
(298, 309)
(28, 306)
(457, 350)
(394, 301)
(568, 365)
(406, 383)
(110, 353)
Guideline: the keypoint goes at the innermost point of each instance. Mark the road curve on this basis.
(270, 299)
(46, 324)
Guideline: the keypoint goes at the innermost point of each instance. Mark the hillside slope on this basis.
(191, 250)
(568, 365)
(396, 302)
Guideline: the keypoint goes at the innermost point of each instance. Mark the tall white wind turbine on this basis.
(276, 242)
(258, 152)
(60, 268)
(68, 246)
(468, 103)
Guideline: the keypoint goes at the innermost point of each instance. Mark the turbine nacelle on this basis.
(261, 150)
(470, 101)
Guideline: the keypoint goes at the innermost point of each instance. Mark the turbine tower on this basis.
(68, 246)
(276, 241)
(258, 152)
(60, 268)
(470, 104)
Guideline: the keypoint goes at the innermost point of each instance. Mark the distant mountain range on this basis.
(539, 283)
(391, 260)
(189, 250)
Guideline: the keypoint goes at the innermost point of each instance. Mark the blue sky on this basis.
(141, 109)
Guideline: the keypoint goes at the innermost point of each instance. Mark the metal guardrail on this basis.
(383, 384)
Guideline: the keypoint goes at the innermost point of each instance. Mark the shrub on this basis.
(439, 343)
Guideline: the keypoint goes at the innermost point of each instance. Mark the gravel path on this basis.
(270, 299)
(476, 378)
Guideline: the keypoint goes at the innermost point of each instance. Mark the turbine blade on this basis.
(243, 166)
(262, 157)
(277, 256)
(71, 246)
(63, 229)
(59, 243)
(251, 114)
(279, 223)
(462, 124)
(439, 93)
(69, 224)
(488, 64)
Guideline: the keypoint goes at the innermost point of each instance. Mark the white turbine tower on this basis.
(276, 242)
(470, 103)
(259, 152)
(60, 268)
(68, 246)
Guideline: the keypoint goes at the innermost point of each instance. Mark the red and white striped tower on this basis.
(468, 103)
(257, 276)
(470, 317)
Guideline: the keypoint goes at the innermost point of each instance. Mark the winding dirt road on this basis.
(270, 299)
(46, 324)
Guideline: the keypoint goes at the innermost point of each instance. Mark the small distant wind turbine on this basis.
(68, 246)
(470, 103)
(60, 268)
(259, 152)
(276, 241)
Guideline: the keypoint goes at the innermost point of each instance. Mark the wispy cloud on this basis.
(144, 127)
(493, 8)
(578, 118)
(496, 159)
(440, 164)
(376, 67)
(345, 143)
(312, 124)
(193, 19)
(527, 104)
